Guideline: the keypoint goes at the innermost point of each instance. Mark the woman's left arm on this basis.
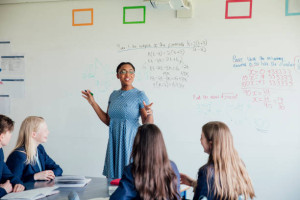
(147, 114)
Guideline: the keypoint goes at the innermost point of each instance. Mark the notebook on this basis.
(32, 194)
(71, 181)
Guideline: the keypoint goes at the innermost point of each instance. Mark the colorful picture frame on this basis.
(89, 23)
(134, 8)
(238, 17)
(287, 13)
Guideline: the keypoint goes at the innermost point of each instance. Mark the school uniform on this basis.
(127, 190)
(5, 174)
(16, 162)
(202, 186)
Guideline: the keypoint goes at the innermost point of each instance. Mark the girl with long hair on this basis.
(224, 176)
(29, 160)
(151, 175)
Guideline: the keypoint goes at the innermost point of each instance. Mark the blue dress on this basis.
(124, 112)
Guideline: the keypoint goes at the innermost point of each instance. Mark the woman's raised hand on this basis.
(88, 95)
(148, 108)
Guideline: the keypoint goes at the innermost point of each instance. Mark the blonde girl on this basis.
(224, 176)
(29, 160)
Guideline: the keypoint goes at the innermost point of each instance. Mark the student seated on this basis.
(29, 160)
(8, 183)
(224, 176)
(151, 175)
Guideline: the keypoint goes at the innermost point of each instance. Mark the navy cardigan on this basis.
(16, 162)
(5, 174)
(127, 190)
(202, 186)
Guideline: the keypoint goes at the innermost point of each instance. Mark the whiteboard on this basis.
(244, 72)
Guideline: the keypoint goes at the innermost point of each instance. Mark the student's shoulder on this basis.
(128, 172)
(205, 169)
(1, 155)
(18, 153)
(128, 168)
(41, 147)
(206, 166)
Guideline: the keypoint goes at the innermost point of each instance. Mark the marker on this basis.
(90, 93)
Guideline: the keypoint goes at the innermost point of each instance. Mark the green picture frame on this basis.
(134, 7)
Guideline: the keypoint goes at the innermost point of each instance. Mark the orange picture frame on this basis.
(83, 10)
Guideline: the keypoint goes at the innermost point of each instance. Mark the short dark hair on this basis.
(6, 124)
(125, 63)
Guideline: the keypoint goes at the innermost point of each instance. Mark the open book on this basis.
(32, 194)
(71, 181)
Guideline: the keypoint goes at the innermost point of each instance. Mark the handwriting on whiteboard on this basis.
(261, 61)
(166, 63)
(195, 45)
(222, 96)
(167, 68)
(265, 75)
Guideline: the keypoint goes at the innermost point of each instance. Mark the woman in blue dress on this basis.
(125, 106)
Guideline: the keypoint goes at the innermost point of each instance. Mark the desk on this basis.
(97, 187)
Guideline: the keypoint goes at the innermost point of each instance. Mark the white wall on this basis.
(62, 60)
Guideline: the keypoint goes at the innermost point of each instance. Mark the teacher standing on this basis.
(125, 106)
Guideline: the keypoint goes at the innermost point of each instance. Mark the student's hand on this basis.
(18, 188)
(148, 108)
(87, 94)
(44, 175)
(7, 186)
(184, 179)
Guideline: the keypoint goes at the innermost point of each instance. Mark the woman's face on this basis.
(42, 133)
(126, 75)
